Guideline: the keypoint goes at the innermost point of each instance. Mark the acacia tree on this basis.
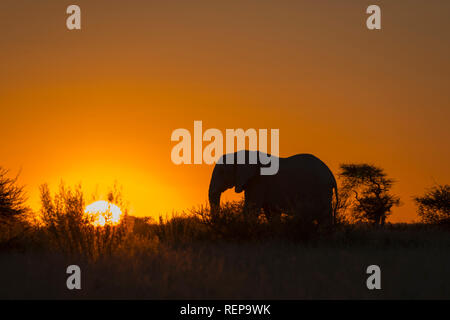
(370, 186)
(12, 198)
(434, 206)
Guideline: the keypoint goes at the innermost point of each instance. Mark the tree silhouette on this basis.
(12, 198)
(370, 186)
(434, 206)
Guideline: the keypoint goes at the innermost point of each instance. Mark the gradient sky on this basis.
(99, 105)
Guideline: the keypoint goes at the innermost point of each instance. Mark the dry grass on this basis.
(232, 256)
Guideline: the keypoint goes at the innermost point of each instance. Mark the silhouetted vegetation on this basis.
(371, 189)
(231, 223)
(434, 206)
(183, 258)
(68, 229)
(12, 198)
(226, 254)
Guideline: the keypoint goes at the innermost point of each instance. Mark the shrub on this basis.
(12, 198)
(180, 230)
(371, 187)
(434, 206)
(69, 230)
(232, 222)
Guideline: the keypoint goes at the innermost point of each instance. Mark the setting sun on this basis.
(105, 212)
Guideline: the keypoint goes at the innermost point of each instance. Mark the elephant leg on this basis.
(322, 208)
(325, 220)
(268, 213)
(250, 206)
(273, 215)
(330, 212)
(252, 203)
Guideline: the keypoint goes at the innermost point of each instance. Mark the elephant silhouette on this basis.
(301, 178)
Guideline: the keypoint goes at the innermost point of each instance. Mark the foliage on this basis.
(71, 231)
(370, 186)
(225, 254)
(233, 222)
(342, 206)
(434, 206)
(147, 268)
(180, 230)
(230, 222)
(12, 198)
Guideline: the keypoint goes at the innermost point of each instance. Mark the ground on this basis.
(414, 264)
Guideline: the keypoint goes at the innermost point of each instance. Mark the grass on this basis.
(228, 256)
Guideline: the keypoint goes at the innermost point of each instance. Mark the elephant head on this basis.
(231, 170)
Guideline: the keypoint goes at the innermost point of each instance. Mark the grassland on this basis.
(188, 257)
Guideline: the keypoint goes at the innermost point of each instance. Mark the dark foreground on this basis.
(414, 262)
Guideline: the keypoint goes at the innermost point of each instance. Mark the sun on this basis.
(105, 212)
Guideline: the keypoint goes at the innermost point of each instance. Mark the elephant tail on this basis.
(337, 201)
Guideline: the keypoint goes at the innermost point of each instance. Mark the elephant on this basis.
(300, 178)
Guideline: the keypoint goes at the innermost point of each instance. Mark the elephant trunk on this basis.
(214, 199)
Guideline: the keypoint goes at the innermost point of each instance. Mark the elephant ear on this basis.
(244, 172)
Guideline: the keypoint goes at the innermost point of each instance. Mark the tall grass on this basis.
(68, 229)
(228, 254)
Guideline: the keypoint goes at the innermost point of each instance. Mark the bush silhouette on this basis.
(434, 206)
(233, 222)
(370, 186)
(69, 230)
(12, 198)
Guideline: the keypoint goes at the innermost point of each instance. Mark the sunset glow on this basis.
(333, 89)
(105, 212)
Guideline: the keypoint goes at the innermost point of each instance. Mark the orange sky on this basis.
(99, 105)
